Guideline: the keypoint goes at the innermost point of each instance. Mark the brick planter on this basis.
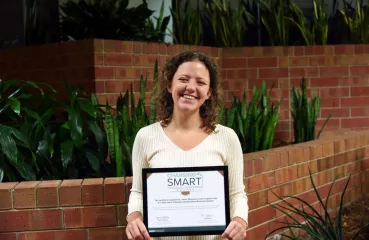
(96, 208)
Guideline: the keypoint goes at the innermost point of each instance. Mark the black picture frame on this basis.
(190, 231)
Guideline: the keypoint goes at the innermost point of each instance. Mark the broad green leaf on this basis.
(1, 175)
(87, 106)
(66, 153)
(93, 160)
(75, 125)
(7, 144)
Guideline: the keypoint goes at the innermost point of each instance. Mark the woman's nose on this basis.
(191, 85)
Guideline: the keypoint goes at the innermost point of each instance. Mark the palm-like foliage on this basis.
(105, 19)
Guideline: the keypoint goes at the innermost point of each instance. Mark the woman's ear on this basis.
(209, 94)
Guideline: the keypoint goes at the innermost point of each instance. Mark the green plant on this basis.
(317, 225)
(129, 119)
(228, 27)
(357, 21)
(156, 32)
(187, 26)
(106, 19)
(255, 122)
(305, 114)
(43, 138)
(315, 31)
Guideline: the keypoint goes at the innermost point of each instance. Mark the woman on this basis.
(187, 134)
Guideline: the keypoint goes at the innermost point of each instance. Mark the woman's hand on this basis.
(136, 229)
(236, 230)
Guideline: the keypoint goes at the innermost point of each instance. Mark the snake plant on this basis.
(357, 21)
(187, 26)
(129, 119)
(305, 114)
(315, 223)
(254, 122)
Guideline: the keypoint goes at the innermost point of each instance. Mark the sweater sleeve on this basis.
(238, 198)
(139, 161)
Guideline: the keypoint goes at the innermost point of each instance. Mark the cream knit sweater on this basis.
(154, 149)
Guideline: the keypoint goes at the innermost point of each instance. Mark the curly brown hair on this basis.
(209, 111)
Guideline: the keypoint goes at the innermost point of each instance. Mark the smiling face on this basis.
(190, 86)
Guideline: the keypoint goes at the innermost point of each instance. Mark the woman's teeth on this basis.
(188, 97)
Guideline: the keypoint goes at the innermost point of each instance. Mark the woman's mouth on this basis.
(188, 97)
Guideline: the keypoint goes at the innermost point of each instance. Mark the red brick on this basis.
(335, 112)
(114, 190)
(344, 49)
(271, 161)
(333, 71)
(234, 63)
(258, 165)
(6, 198)
(304, 72)
(144, 60)
(27, 220)
(352, 59)
(118, 86)
(316, 151)
(70, 193)
(122, 214)
(257, 199)
(354, 122)
(128, 47)
(107, 233)
(54, 235)
(137, 47)
(298, 61)
(259, 182)
(359, 70)
(279, 191)
(262, 62)
(113, 46)
(323, 61)
(98, 59)
(273, 72)
(128, 187)
(301, 185)
(258, 232)
(319, 50)
(261, 215)
(327, 149)
(325, 163)
(8, 236)
(25, 194)
(248, 167)
(105, 216)
(92, 191)
(324, 82)
(115, 59)
(47, 193)
(285, 174)
(104, 72)
(359, 112)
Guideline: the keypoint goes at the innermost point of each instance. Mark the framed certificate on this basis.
(185, 201)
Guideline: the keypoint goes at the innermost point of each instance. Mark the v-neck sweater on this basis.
(154, 149)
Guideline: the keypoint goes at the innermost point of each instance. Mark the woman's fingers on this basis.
(143, 230)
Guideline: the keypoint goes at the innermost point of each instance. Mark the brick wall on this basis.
(96, 208)
(338, 73)
(108, 67)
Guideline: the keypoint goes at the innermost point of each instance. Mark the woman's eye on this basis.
(182, 79)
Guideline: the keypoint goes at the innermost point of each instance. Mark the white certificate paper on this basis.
(186, 202)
